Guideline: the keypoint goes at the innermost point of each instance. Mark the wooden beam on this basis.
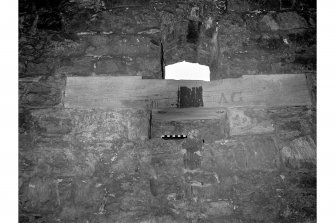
(240, 121)
(133, 92)
(258, 90)
(188, 114)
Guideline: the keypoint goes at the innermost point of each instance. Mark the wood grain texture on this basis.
(185, 114)
(133, 92)
(242, 121)
(210, 129)
(119, 92)
(210, 123)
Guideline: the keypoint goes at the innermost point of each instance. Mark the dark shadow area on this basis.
(193, 31)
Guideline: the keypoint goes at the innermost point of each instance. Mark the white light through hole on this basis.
(187, 71)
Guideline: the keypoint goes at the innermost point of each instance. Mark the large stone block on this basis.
(173, 28)
(67, 48)
(265, 56)
(93, 125)
(87, 191)
(109, 66)
(45, 92)
(145, 66)
(261, 212)
(80, 66)
(130, 21)
(240, 6)
(303, 38)
(78, 196)
(295, 121)
(261, 153)
(38, 194)
(62, 160)
(267, 5)
(101, 125)
(150, 67)
(299, 153)
(267, 23)
(245, 153)
(291, 20)
(24, 120)
(41, 67)
(122, 45)
(219, 208)
(244, 121)
(271, 42)
(232, 34)
(56, 124)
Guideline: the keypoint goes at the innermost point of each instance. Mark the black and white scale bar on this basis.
(173, 137)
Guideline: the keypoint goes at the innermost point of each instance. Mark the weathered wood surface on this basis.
(210, 129)
(185, 114)
(210, 123)
(133, 92)
(241, 121)
(119, 92)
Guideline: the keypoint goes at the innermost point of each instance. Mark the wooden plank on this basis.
(132, 92)
(121, 92)
(242, 121)
(258, 90)
(186, 114)
(210, 123)
(208, 129)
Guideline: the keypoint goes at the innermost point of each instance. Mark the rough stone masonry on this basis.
(95, 165)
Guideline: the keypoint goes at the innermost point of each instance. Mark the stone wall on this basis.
(132, 38)
(105, 166)
(101, 166)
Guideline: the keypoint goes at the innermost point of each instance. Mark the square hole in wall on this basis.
(193, 31)
(187, 71)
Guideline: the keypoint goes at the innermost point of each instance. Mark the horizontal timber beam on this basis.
(134, 92)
